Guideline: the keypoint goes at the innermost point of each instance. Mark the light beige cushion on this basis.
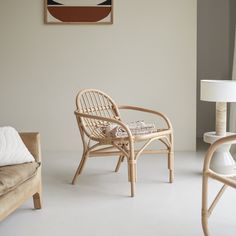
(14, 175)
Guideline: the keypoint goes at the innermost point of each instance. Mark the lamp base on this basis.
(222, 161)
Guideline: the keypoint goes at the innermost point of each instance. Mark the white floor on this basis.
(99, 205)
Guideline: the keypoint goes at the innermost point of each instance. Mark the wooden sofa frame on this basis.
(10, 201)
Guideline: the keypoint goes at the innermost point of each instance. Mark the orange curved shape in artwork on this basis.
(79, 14)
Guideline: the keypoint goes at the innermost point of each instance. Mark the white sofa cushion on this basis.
(12, 149)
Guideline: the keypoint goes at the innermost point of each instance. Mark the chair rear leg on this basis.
(171, 166)
(121, 159)
(80, 167)
(171, 159)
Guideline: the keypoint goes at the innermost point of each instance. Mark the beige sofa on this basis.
(20, 182)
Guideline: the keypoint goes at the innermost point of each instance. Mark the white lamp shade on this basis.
(218, 90)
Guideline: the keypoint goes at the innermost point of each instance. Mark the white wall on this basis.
(214, 54)
(147, 57)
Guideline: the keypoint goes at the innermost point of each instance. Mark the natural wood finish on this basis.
(121, 159)
(226, 180)
(30, 188)
(37, 200)
(96, 109)
(32, 142)
(112, 153)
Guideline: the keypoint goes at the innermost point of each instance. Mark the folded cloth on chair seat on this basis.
(136, 128)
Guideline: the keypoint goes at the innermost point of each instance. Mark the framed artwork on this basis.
(78, 11)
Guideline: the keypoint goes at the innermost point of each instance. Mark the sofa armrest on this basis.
(32, 142)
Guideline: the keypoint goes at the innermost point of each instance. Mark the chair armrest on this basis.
(101, 118)
(224, 179)
(141, 109)
(32, 142)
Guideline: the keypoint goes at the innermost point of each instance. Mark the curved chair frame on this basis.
(94, 109)
(227, 180)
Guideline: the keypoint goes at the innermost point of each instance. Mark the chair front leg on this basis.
(81, 166)
(132, 170)
(205, 213)
(132, 177)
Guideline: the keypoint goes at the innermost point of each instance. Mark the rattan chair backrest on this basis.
(96, 103)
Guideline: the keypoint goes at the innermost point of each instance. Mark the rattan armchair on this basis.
(96, 109)
(226, 180)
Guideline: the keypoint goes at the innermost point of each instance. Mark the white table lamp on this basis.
(221, 92)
